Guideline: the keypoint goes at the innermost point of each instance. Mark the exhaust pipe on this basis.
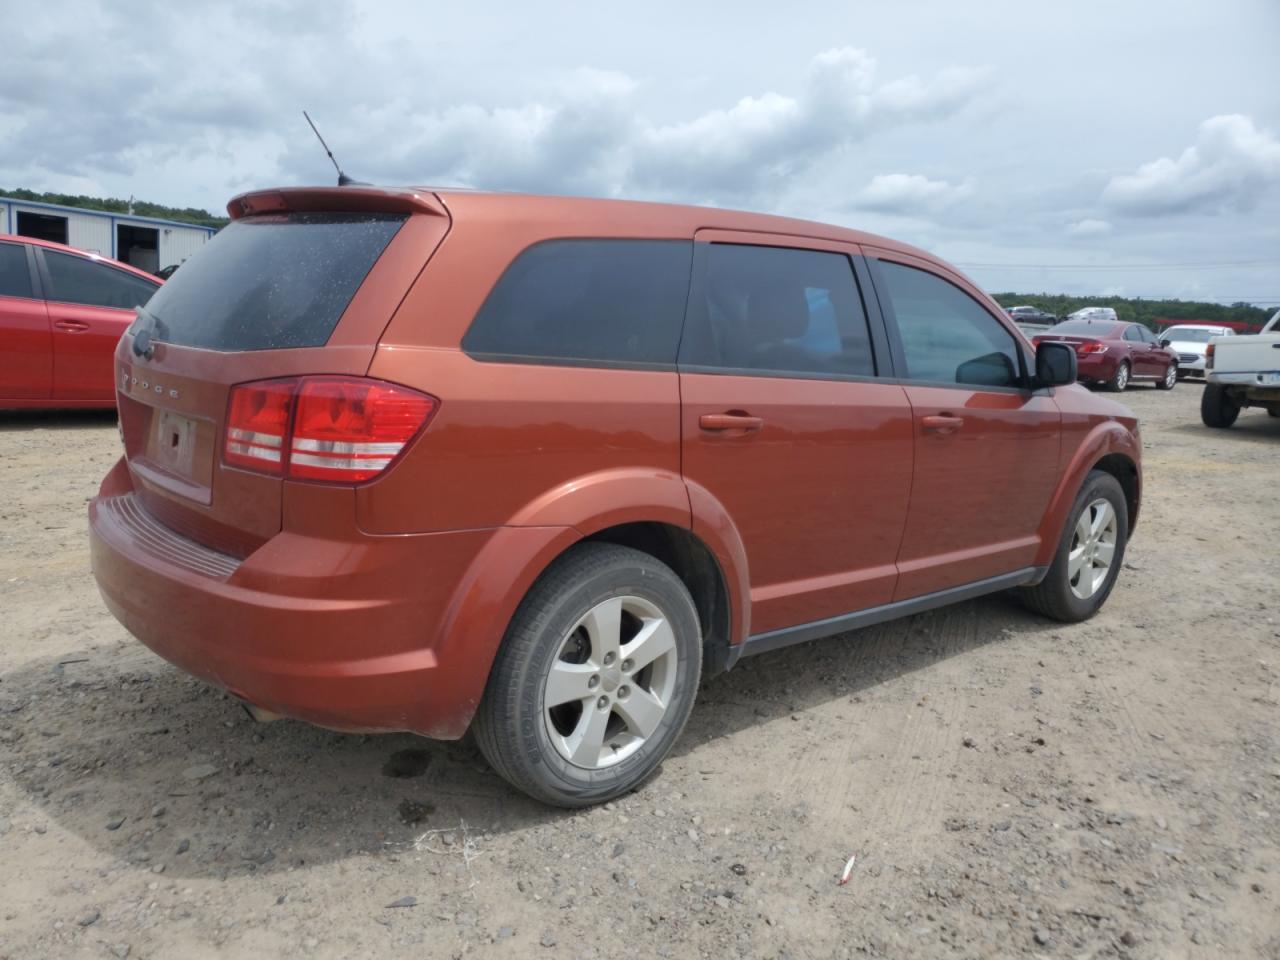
(258, 714)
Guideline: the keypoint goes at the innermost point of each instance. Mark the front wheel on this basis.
(1089, 554)
(595, 678)
(1170, 378)
(1120, 379)
(1217, 407)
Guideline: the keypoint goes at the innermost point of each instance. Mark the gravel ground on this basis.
(1010, 786)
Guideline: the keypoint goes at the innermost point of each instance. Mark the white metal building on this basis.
(146, 242)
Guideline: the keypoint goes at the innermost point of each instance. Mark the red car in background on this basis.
(1116, 354)
(61, 313)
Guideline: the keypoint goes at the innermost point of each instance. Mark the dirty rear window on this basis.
(271, 282)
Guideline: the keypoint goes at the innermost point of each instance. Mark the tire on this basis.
(560, 754)
(1066, 595)
(1120, 379)
(1217, 409)
(1170, 378)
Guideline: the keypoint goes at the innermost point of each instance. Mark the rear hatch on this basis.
(303, 281)
(1258, 354)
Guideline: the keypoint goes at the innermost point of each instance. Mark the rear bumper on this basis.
(356, 633)
(1095, 366)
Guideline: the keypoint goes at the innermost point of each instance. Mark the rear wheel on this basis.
(1217, 407)
(1089, 554)
(1170, 378)
(1120, 379)
(595, 678)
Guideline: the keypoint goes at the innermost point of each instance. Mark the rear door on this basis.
(278, 293)
(986, 447)
(90, 306)
(786, 423)
(26, 346)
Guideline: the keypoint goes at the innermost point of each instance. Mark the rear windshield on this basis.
(271, 282)
(1084, 328)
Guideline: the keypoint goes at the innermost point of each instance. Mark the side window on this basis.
(77, 280)
(947, 337)
(613, 301)
(1131, 333)
(15, 276)
(780, 310)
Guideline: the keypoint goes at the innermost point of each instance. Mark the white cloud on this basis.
(910, 193)
(1089, 228)
(1229, 167)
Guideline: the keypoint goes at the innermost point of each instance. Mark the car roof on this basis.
(77, 252)
(583, 212)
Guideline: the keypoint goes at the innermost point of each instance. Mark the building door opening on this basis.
(42, 226)
(138, 246)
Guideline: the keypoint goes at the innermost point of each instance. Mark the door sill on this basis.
(816, 629)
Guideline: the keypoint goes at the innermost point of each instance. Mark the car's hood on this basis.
(1188, 346)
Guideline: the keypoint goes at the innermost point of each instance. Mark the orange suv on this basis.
(434, 460)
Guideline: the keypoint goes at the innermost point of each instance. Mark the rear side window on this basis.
(271, 282)
(947, 337)
(587, 301)
(15, 277)
(778, 310)
(77, 280)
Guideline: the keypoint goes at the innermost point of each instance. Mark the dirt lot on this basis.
(1009, 785)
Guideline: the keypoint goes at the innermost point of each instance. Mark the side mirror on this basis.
(1164, 341)
(1055, 364)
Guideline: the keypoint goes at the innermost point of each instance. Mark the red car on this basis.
(1114, 354)
(62, 311)
(434, 460)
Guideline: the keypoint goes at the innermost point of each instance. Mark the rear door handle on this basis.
(941, 423)
(71, 326)
(717, 422)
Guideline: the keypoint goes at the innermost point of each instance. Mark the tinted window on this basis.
(78, 280)
(614, 301)
(778, 309)
(271, 282)
(15, 277)
(947, 337)
(1131, 333)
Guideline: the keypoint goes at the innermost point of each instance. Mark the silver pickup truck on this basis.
(1242, 372)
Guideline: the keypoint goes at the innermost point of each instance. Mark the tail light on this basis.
(333, 429)
(1208, 357)
(1085, 348)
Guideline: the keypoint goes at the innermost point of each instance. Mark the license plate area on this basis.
(178, 454)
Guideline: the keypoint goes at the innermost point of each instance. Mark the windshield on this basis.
(1190, 335)
(270, 282)
(1084, 328)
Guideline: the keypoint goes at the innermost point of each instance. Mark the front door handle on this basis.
(71, 326)
(737, 422)
(942, 423)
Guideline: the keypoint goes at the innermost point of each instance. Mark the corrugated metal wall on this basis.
(178, 243)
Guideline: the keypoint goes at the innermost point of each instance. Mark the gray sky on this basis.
(1116, 147)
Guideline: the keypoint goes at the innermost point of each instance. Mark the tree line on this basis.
(141, 208)
(1152, 313)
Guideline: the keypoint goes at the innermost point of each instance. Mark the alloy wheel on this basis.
(611, 682)
(1171, 376)
(1122, 376)
(1093, 548)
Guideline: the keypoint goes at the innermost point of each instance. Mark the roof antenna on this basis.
(343, 179)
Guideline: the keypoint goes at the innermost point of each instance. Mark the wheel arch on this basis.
(1108, 447)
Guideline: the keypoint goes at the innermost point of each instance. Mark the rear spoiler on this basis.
(331, 199)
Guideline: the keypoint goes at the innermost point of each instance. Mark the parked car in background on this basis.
(61, 313)
(1114, 354)
(1023, 315)
(1190, 341)
(1243, 371)
(538, 479)
(1094, 314)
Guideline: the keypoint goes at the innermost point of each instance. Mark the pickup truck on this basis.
(1242, 372)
